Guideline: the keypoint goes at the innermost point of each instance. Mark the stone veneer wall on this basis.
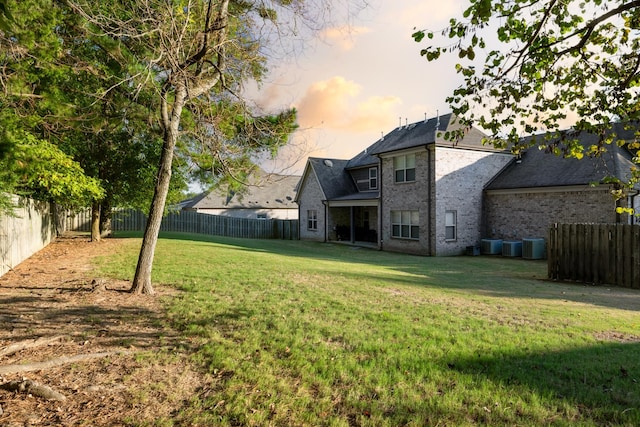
(310, 198)
(513, 216)
(460, 177)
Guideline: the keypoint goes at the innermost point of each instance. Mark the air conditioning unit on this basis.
(491, 246)
(512, 248)
(533, 248)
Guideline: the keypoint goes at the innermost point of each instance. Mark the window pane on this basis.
(396, 231)
(450, 218)
(400, 175)
(373, 173)
(406, 217)
(450, 233)
(415, 232)
(411, 161)
(395, 217)
(405, 230)
(373, 184)
(399, 162)
(415, 218)
(411, 175)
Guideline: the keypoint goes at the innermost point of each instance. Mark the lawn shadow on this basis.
(603, 380)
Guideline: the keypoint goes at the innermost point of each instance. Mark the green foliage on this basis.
(528, 66)
(42, 171)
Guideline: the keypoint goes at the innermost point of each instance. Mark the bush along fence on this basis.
(595, 253)
(193, 222)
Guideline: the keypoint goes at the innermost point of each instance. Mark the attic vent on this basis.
(328, 163)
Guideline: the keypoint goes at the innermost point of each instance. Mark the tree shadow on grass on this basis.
(602, 382)
(103, 319)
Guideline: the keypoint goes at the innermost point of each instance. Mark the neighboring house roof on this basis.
(537, 168)
(334, 180)
(270, 191)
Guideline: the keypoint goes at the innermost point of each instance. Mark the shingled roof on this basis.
(271, 191)
(402, 137)
(332, 176)
(537, 168)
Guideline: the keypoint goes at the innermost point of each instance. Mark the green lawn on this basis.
(307, 334)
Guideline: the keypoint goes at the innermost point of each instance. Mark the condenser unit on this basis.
(533, 248)
(512, 248)
(491, 246)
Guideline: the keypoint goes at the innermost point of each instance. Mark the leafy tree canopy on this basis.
(532, 66)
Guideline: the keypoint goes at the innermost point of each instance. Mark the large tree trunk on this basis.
(95, 221)
(105, 219)
(142, 279)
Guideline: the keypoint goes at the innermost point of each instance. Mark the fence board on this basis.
(595, 253)
(215, 225)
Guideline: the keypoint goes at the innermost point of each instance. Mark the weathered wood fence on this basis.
(193, 222)
(595, 253)
(29, 229)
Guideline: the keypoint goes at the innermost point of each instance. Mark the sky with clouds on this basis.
(357, 82)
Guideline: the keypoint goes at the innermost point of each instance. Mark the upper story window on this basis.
(405, 168)
(373, 178)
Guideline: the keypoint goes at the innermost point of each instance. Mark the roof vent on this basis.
(328, 163)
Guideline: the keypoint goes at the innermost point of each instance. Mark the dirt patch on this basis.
(136, 369)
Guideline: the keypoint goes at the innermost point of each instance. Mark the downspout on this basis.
(429, 199)
(380, 186)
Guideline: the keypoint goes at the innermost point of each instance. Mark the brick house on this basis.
(538, 189)
(413, 191)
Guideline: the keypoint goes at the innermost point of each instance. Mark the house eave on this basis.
(350, 203)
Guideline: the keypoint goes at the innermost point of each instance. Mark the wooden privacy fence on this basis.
(595, 253)
(193, 222)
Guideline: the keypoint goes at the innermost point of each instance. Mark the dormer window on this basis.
(373, 178)
(405, 168)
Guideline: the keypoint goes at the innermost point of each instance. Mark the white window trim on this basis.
(312, 220)
(405, 157)
(372, 187)
(401, 224)
(454, 225)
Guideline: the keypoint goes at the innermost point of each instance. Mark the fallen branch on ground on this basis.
(31, 387)
(38, 366)
(23, 345)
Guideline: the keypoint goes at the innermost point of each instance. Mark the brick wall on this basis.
(310, 197)
(406, 196)
(511, 215)
(460, 177)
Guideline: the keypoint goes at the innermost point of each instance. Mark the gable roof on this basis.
(271, 191)
(537, 168)
(332, 177)
(403, 137)
(419, 134)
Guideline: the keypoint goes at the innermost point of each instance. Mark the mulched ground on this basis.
(54, 294)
